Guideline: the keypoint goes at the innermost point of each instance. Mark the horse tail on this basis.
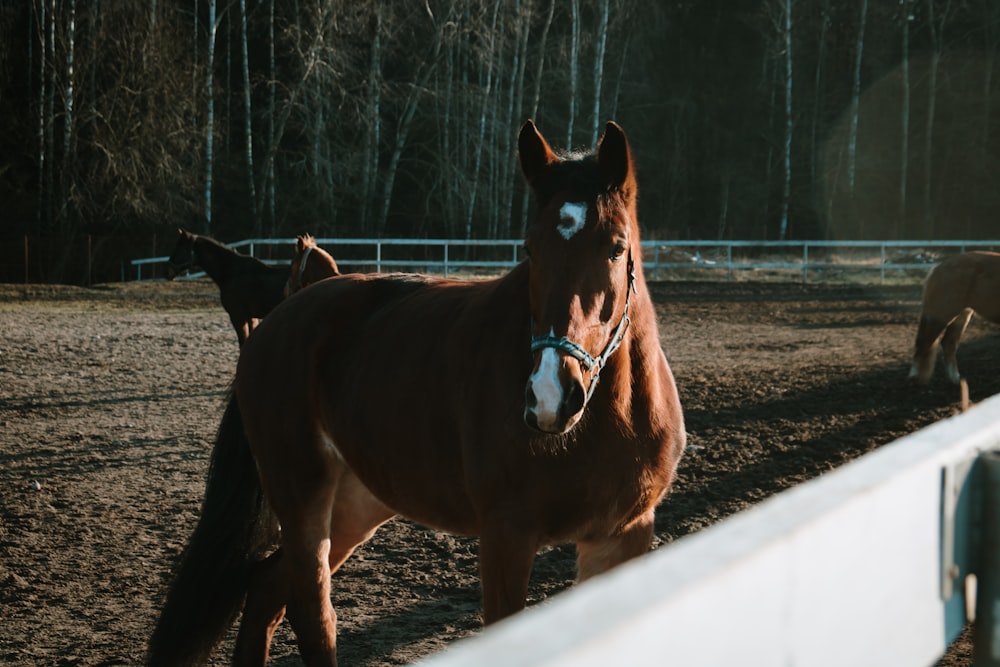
(210, 581)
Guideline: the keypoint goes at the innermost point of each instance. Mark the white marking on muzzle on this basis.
(547, 389)
(573, 216)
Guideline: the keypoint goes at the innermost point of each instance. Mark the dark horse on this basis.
(248, 288)
(955, 289)
(471, 407)
(310, 264)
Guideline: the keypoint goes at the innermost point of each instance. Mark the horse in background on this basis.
(954, 290)
(536, 408)
(310, 264)
(248, 288)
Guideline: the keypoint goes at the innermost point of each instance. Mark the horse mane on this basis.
(306, 241)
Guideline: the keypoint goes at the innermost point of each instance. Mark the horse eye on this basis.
(617, 251)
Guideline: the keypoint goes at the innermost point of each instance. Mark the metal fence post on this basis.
(986, 633)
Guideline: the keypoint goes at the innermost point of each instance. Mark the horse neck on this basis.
(322, 265)
(643, 312)
(214, 258)
(628, 365)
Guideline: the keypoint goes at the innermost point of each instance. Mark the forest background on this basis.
(749, 119)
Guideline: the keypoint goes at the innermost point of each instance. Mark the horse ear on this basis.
(183, 233)
(534, 152)
(614, 157)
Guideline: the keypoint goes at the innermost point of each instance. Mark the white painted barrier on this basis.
(693, 259)
(861, 566)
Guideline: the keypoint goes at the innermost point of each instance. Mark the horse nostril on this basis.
(575, 399)
(530, 400)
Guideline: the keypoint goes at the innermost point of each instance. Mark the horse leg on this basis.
(242, 331)
(594, 557)
(263, 611)
(505, 560)
(305, 541)
(949, 343)
(320, 549)
(925, 349)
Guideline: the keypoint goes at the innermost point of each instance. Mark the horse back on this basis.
(968, 280)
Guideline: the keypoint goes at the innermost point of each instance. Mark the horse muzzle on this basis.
(555, 397)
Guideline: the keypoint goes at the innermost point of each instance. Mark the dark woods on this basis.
(238, 118)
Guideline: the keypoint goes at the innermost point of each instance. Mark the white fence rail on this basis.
(863, 566)
(725, 260)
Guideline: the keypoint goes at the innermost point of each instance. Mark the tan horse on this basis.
(955, 289)
(310, 264)
(471, 407)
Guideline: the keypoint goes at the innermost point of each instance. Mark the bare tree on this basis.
(271, 104)
(904, 158)
(789, 122)
(210, 120)
(574, 66)
(600, 48)
(373, 126)
(247, 125)
(852, 140)
(485, 99)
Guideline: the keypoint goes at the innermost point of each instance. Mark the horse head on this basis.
(182, 257)
(304, 272)
(582, 249)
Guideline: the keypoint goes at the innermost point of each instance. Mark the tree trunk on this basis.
(818, 84)
(247, 124)
(484, 107)
(409, 113)
(42, 107)
(574, 65)
(210, 122)
(789, 123)
(932, 78)
(626, 43)
(271, 186)
(852, 140)
(904, 149)
(515, 102)
(600, 48)
(536, 98)
(369, 173)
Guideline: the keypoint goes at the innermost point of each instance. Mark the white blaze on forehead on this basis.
(572, 215)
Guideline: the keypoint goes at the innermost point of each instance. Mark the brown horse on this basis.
(471, 407)
(955, 289)
(248, 288)
(310, 264)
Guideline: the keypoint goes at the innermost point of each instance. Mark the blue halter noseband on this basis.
(591, 363)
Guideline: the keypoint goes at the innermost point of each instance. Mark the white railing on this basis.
(864, 566)
(805, 260)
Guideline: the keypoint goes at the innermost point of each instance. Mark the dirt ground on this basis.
(110, 397)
